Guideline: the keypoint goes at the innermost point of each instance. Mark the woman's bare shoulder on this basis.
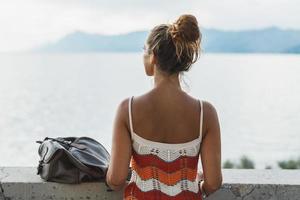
(210, 116)
(123, 104)
(209, 107)
(122, 111)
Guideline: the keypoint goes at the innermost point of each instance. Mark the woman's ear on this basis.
(152, 59)
(153, 65)
(150, 64)
(150, 70)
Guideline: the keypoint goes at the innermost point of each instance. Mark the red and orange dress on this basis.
(163, 171)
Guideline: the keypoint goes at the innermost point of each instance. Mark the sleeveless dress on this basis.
(163, 171)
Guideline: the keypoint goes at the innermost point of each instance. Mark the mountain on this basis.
(85, 42)
(295, 49)
(268, 40)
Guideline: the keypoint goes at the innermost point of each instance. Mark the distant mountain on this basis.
(85, 42)
(268, 40)
(295, 49)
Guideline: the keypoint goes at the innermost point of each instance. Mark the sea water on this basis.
(257, 97)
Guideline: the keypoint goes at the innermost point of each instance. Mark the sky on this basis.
(25, 24)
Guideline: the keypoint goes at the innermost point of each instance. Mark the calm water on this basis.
(257, 98)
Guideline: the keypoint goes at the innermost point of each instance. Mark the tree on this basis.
(228, 164)
(245, 163)
(289, 164)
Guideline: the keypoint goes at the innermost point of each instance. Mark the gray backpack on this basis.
(72, 160)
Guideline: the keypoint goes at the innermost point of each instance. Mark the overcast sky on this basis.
(28, 23)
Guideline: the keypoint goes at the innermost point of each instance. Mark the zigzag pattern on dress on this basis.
(164, 177)
(170, 190)
(156, 194)
(168, 167)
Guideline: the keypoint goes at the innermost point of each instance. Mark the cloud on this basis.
(25, 24)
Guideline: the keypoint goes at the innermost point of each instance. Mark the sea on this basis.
(257, 98)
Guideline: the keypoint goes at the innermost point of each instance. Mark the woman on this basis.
(163, 132)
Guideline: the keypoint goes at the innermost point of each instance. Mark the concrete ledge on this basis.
(23, 183)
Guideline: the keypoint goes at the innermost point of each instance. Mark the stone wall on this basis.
(23, 183)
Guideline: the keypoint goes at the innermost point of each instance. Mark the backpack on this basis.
(72, 160)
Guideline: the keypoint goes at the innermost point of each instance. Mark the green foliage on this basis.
(245, 163)
(228, 164)
(289, 164)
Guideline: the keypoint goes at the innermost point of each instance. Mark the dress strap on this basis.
(130, 115)
(201, 118)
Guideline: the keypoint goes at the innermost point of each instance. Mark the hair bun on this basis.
(176, 46)
(185, 28)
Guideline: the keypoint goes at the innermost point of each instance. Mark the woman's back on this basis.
(170, 116)
(166, 149)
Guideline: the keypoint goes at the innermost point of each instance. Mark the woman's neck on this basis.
(166, 81)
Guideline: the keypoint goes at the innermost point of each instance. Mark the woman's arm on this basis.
(211, 150)
(121, 149)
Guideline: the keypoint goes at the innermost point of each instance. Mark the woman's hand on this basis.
(200, 177)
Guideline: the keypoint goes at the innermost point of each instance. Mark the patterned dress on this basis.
(164, 171)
